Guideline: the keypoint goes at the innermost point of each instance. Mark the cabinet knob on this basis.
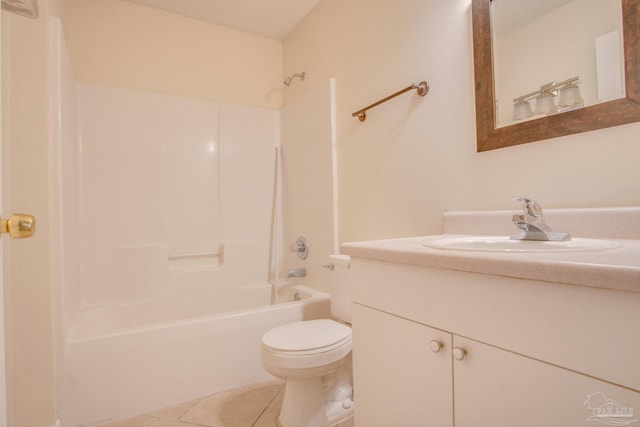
(436, 345)
(459, 353)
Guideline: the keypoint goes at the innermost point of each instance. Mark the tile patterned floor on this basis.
(252, 406)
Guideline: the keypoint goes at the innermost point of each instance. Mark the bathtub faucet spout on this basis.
(297, 272)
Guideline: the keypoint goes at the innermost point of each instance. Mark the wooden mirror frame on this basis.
(603, 115)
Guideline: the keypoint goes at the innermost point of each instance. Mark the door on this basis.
(11, 226)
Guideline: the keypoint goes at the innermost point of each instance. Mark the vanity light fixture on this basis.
(546, 99)
(546, 103)
(570, 96)
(522, 110)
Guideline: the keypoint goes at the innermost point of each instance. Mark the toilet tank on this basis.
(340, 289)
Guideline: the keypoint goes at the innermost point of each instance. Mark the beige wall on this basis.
(415, 158)
(307, 183)
(116, 43)
(29, 327)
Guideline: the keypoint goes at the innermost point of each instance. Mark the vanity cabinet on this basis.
(441, 348)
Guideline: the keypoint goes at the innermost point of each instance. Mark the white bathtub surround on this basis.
(139, 152)
(166, 206)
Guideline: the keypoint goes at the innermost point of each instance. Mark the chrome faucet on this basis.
(297, 272)
(531, 225)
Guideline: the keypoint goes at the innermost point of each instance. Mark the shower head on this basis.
(288, 80)
(28, 8)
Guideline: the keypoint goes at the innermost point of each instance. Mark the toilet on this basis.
(314, 357)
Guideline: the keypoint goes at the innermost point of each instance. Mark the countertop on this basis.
(616, 268)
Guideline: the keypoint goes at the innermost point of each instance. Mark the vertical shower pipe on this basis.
(277, 223)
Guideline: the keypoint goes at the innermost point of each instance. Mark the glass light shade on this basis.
(522, 110)
(570, 96)
(545, 104)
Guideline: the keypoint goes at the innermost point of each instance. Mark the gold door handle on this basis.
(18, 226)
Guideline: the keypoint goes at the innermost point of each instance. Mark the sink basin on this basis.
(505, 244)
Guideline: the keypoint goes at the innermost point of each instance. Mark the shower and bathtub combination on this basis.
(165, 207)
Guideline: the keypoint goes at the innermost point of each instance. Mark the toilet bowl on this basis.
(314, 358)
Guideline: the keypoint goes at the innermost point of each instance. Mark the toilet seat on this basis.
(308, 335)
(306, 344)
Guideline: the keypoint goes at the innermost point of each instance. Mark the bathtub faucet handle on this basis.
(301, 248)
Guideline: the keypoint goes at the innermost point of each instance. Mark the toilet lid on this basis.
(306, 335)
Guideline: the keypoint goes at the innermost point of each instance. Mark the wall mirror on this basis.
(494, 119)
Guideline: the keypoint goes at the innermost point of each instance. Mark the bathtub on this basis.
(125, 367)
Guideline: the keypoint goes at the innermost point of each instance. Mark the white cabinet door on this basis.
(494, 387)
(398, 379)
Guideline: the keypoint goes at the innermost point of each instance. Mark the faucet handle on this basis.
(530, 207)
(301, 248)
